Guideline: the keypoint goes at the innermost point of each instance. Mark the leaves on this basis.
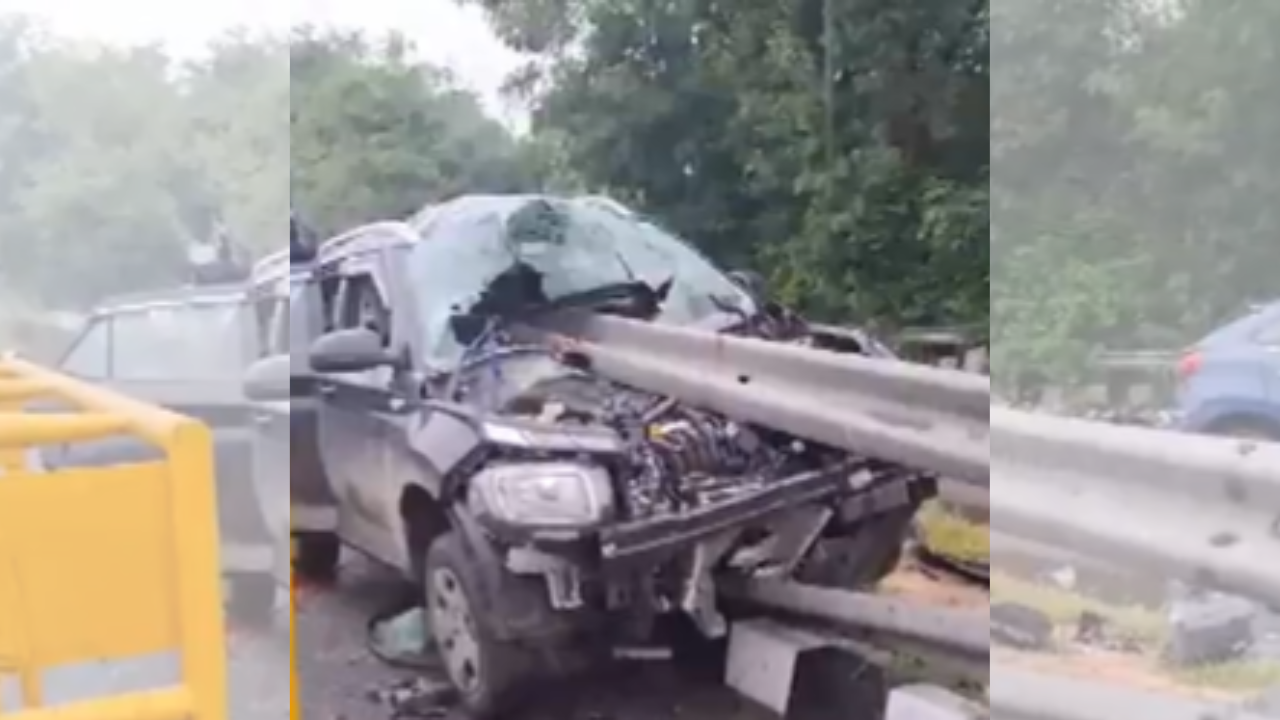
(861, 193)
(114, 159)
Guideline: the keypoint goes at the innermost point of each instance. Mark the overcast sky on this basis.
(445, 33)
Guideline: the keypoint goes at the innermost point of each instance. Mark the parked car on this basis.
(186, 349)
(1229, 382)
(286, 456)
(546, 511)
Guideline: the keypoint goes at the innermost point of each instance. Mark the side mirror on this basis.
(269, 380)
(350, 351)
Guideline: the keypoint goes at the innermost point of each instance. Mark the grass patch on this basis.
(1242, 676)
(1146, 626)
(952, 536)
(1064, 608)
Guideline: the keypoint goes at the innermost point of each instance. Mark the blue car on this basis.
(1229, 382)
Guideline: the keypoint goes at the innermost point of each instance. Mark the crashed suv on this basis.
(551, 513)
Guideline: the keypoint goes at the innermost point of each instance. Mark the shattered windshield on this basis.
(575, 246)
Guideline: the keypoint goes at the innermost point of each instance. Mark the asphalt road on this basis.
(339, 677)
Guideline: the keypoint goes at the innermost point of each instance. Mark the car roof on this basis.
(1245, 326)
(172, 297)
(271, 268)
(375, 236)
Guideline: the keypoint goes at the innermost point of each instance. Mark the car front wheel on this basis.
(862, 558)
(316, 556)
(489, 674)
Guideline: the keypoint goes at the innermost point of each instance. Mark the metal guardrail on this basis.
(961, 634)
(1206, 510)
(108, 563)
(930, 419)
(1203, 509)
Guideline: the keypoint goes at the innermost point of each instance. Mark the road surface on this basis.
(339, 677)
(341, 681)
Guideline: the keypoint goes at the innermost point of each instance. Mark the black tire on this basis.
(316, 556)
(862, 558)
(490, 675)
(251, 599)
(1247, 429)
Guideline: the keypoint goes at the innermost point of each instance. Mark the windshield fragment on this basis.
(574, 246)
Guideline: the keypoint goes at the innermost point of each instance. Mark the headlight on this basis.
(551, 494)
(550, 437)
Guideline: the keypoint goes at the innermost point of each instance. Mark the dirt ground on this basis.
(338, 676)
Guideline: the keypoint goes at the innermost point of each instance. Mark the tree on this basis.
(377, 136)
(842, 148)
(115, 159)
(1134, 167)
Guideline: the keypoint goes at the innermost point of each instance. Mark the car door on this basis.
(355, 438)
(290, 444)
(272, 420)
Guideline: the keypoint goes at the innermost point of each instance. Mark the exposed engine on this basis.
(689, 459)
(684, 458)
(679, 458)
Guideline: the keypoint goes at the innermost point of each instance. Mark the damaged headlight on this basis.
(578, 439)
(547, 494)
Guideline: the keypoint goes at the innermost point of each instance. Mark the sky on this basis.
(445, 33)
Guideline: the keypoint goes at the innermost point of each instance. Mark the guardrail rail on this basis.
(106, 564)
(1200, 509)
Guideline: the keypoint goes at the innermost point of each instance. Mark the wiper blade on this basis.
(647, 298)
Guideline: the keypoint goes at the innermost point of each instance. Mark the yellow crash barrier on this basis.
(295, 699)
(104, 564)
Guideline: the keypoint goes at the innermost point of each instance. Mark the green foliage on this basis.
(112, 160)
(846, 158)
(376, 135)
(844, 148)
(1135, 174)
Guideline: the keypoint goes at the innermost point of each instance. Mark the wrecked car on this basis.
(549, 513)
(186, 349)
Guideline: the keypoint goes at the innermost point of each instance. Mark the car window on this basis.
(1259, 325)
(272, 321)
(192, 342)
(280, 324)
(89, 357)
(361, 305)
(1269, 334)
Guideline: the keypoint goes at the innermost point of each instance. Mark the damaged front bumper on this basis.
(853, 493)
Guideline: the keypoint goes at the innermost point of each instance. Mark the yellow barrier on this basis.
(295, 701)
(109, 563)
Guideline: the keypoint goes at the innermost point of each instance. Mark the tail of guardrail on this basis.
(109, 563)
